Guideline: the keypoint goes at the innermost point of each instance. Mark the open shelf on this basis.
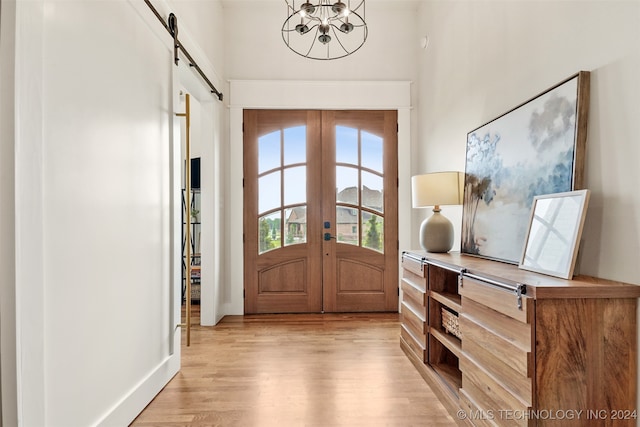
(444, 361)
(449, 341)
(451, 375)
(435, 311)
(451, 301)
(444, 348)
(443, 281)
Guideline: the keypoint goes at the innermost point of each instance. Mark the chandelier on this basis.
(325, 30)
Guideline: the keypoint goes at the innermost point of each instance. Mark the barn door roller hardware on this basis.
(172, 27)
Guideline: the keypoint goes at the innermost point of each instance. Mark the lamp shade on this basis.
(438, 188)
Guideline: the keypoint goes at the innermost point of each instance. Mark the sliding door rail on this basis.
(172, 27)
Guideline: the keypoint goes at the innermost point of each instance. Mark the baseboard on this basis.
(133, 402)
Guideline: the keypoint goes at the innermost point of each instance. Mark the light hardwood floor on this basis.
(296, 370)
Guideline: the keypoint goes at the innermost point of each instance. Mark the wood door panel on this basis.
(475, 377)
(519, 384)
(284, 279)
(495, 298)
(383, 295)
(417, 343)
(354, 276)
(289, 277)
(413, 320)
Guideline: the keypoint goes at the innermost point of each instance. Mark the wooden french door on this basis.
(320, 211)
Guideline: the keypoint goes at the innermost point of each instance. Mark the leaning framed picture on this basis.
(555, 227)
(536, 148)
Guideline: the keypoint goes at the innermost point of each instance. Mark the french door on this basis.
(320, 211)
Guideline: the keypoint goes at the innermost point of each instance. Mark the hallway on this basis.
(296, 370)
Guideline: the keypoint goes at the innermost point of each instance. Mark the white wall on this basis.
(256, 52)
(485, 57)
(29, 254)
(107, 156)
(97, 209)
(255, 49)
(8, 394)
(202, 22)
(200, 25)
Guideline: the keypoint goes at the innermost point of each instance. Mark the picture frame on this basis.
(536, 148)
(553, 238)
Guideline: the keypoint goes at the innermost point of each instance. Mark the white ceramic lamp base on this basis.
(436, 233)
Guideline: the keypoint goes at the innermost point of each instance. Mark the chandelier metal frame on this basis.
(325, 30)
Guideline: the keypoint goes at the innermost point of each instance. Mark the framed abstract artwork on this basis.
(534, 149)
(553, 237)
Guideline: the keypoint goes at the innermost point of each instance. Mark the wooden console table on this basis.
(504, 346)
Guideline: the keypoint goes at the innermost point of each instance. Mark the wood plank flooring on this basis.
(296, 370)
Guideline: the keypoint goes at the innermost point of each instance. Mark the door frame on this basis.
(389, 95)
(207, 139)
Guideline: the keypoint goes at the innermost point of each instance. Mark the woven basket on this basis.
(450, 323)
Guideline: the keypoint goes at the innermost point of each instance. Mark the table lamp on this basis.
(437, 189)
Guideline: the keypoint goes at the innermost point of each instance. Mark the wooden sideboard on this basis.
(502, 346)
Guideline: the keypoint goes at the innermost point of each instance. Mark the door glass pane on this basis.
(295, 145)
(372, 151)
(269, 192)
(372, 191)
(295, 226)
(347, 185)
(346, 145)
(269, 232)
(295, 185)
(268, 151)
(347, 225)
(372, 231)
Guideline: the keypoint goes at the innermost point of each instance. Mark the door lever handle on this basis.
(328, 236)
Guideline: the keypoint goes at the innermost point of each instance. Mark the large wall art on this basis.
(536, 148)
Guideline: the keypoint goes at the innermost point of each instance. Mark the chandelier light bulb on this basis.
(302, 29)
(339, 8)
(346, 27)
(307, 8)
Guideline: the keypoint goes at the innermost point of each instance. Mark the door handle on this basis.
(327, 236)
